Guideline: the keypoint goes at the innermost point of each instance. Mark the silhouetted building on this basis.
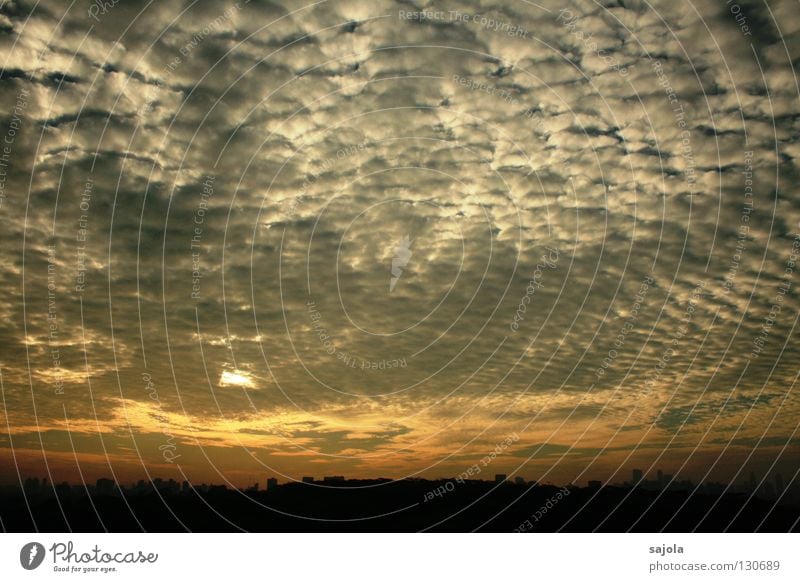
(105, 486)
(272, 483)
(63, 490)
(637, 476)
(308, 479)
(519, 480)
(500, 478)
(31, 486)
(172, 487)
(333, 479)
(593, 484)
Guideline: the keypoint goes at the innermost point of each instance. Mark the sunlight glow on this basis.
(236, 378)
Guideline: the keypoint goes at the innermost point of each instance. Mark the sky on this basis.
(396, 239)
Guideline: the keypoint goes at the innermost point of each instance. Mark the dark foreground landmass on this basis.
(395, 506)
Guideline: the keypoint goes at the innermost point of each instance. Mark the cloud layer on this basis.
(588, 212)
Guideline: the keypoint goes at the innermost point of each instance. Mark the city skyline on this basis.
(777, 487)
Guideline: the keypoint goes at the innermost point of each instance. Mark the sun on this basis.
(236, 378)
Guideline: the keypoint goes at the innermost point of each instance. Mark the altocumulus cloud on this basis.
(202, 203)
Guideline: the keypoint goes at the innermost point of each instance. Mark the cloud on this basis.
(206, 201)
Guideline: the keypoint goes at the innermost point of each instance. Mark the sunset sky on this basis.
(387, 239)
